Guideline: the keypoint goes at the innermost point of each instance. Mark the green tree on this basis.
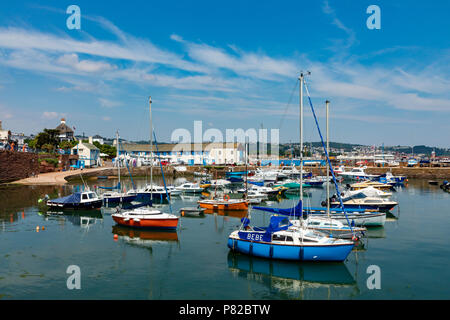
(47, 137)
(68, 144)
(48, 147)
(111, 151)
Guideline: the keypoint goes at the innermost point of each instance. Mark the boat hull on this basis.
(380, 207)
(147, 197)
(116, 200)
(375, 219)
(170, 223)
(224, 205)
(76, 206)
(267, 250)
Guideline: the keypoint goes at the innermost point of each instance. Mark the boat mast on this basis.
(246, 168)
(328, 166)
(118, 161)
(151, 149)
(301, 138)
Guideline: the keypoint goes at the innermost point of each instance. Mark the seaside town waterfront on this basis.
(224, 159)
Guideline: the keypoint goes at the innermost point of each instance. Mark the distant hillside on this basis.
(418, 150)
(335, 145)
(347, 147)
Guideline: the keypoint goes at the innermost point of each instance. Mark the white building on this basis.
(98, 139)
(88, 154)
(189, 153)
(4, 134)
(65, 132)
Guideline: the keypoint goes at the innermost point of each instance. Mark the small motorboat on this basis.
(114, 197)
(357, 174)
(315, 182)
(332, 227)
(445, 186)
(190, 188)
(225, 204)
(433, 182)
(146, 217)
(292, 185)
(376, 185)
(361, 201)
(369, 192)
(388, 177)
(363, 218)
(149, 193)
(192, 211)
(77, 201)
(202, 174)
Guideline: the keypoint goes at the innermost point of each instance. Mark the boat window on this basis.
(277, 237)
(91, 196)
(309, 240)
(84, 197)
(289, 239)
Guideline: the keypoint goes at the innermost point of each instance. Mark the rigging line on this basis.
(328, 159)
(287, 105)
(162, 171)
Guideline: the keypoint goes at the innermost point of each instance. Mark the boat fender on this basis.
(323, 203)
(226, 197)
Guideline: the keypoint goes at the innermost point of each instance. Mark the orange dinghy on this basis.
(225, 204)
(146, 218)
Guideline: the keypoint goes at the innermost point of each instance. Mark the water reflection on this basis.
(144, 238)
(291, 278)
(81, 218)
(14, 199)
(227, 213)
(375, 232)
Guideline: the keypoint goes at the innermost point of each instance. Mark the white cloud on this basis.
(50, 115)
(176, 38)
(72, 60)
(108, 103)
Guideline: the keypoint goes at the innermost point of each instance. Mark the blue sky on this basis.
(231, 64)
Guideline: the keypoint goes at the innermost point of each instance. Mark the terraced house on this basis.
(189, 153)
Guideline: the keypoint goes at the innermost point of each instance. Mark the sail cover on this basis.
(73, 198)
(297, 210)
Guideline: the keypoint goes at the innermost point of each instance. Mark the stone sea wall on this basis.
(17, 165)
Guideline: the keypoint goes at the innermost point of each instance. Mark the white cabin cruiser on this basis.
(357, 174)
(190, 188)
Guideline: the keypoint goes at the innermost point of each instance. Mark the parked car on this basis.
(2, 146)
(424, 163)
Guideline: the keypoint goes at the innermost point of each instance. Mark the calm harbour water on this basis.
(412, 251)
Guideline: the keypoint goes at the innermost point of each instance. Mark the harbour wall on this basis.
(219, 171)
(17, 165)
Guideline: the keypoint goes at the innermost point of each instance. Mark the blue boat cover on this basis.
(297, 210)
(235, 173)
(261, 184)
(73, 198)
(276, 223)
